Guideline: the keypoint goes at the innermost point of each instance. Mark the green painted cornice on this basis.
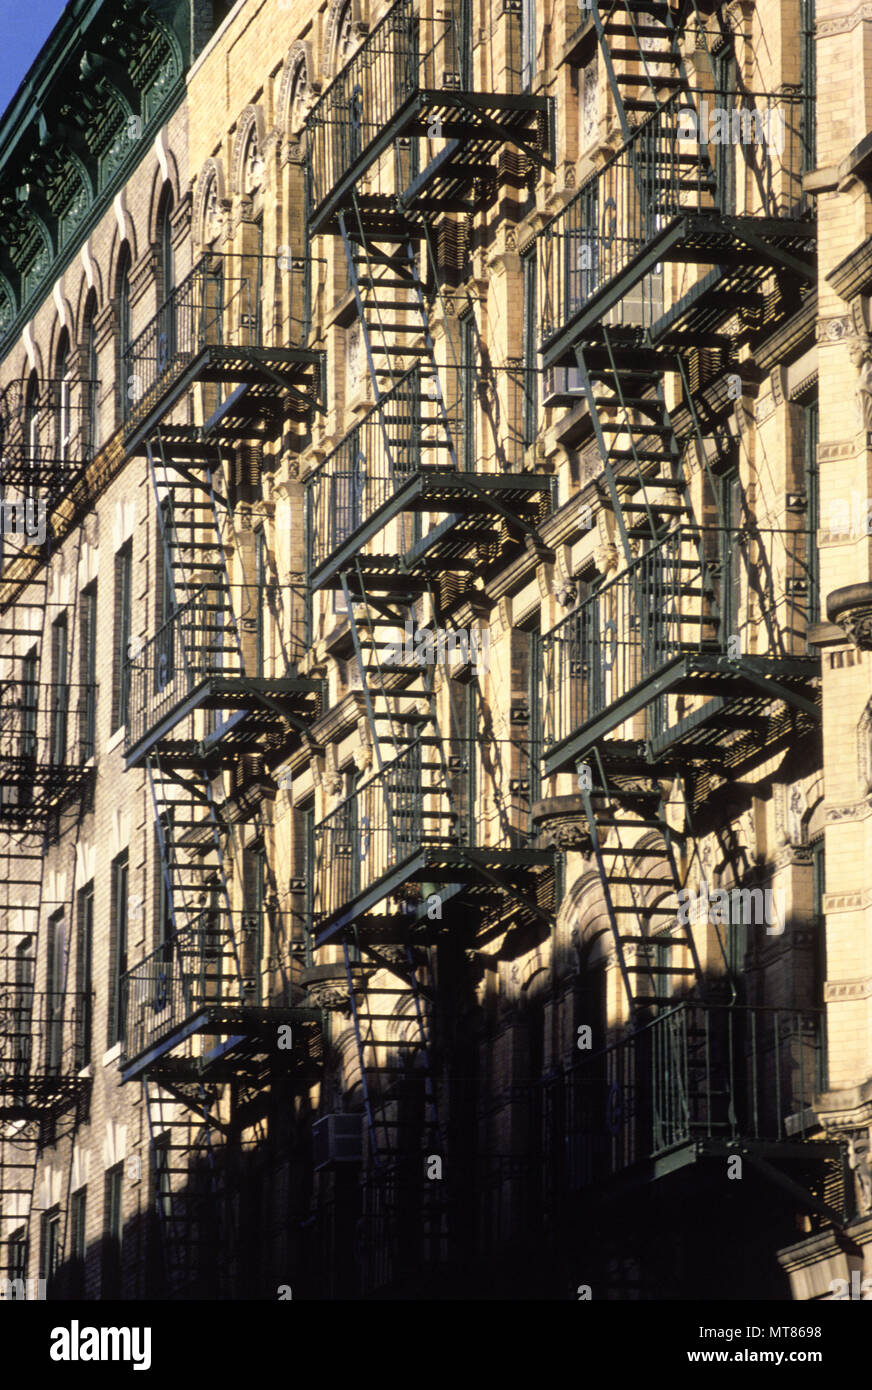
(107, 78)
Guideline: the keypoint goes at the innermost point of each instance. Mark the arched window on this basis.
(299, 93)
(166, 345)
(127, 386)
(89, 386)
(252, 164)
(31, 431)
(62, 390)
(165, 246)
(344, 38)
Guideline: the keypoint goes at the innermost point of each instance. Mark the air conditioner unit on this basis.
(337, 1139)
(561, 385)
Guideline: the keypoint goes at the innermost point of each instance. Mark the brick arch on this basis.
(345, 1050)
(300, 59)
(252, 118)
(118, 243)
(329, 58)
(56, 333)
(583, 927)
(159, 186)
(83, 294)
(8, 296)
(212, 171)
(403, 1027)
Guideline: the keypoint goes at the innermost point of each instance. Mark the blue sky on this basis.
(24, 27)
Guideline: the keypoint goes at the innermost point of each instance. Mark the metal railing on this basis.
(200, 640)
(407, 432)
(218, 304)
(222, 630)
(48, 433)
(403, 433)
(216, 961)
(697, 1072)
(413, 804)
(42, 725)
(38, 1039)
(404, 54)
(674, 164)
(752, 594)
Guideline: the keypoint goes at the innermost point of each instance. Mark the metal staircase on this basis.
(642, 902)
(640, 36)
(641, 456)
(190, 1192)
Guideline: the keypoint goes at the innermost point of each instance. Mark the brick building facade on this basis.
(435, 718)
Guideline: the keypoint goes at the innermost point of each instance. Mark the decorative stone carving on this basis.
(363, 751)
(864, 749)
(861, 356)
(851, 607)
(589, 103)
(298, 91)
(248, 148)
(332, 775)
(565, 592)
(831, 330)
(606, 557)
(860, 1162)
(328, 997)
(563, 823)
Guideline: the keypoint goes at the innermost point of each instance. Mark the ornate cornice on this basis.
(853, 275)
(843, 24)
(85, 116)
(791, 338)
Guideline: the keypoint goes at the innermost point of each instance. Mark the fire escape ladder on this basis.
(193, 871)
(183, 1165)
(640, 37)
(389, 1043)
(394, 322)
(645, 929)
(194, 555)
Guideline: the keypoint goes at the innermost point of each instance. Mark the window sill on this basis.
(85, 1074)
(112, 1055)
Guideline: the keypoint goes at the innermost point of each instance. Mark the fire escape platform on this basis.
(746, 247)
(450, 864)
(267, 375)
(466, 499)
(243, 1027)
(39, 1096)
(490, 119)
(702, 1155)
(261, 709)
(29, 793)
(741, 690)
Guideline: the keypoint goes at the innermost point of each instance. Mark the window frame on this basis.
(120, 889)
(84, 1043)
(123, 628)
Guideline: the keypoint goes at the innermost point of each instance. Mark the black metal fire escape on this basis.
(200, 706)
(46, 776)
(400, 142)
(645, 685)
